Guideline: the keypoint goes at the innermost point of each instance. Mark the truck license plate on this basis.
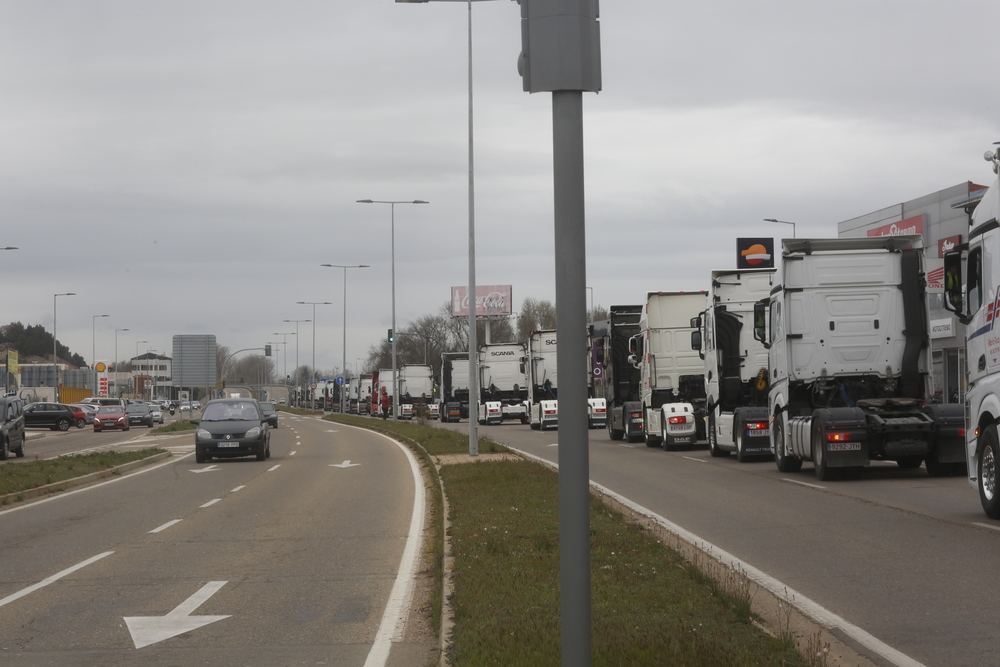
(758, 432)
(843, 446)
(678, 427)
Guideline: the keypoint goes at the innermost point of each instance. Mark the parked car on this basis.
(89, 410)
(157, 412)
(104, 400)
(231, 427)
(139, 413)
(270, 413)
(56, 416)
(11, 427)
(111, 417)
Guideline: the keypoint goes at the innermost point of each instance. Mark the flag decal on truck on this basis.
(992, 310)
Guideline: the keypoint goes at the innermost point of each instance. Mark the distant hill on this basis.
(36, 341)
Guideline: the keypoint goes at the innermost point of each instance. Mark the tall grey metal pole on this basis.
(473, 343)
(571, 308)
(55, 352)
(395, 373)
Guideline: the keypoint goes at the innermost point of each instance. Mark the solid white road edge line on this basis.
(397, 608)
(811, 609)
(985, 525)
(55, 577)
(67, 494)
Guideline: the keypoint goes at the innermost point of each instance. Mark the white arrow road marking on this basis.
(345, 464)
(148, 630)
(55, 577)
(208, 469)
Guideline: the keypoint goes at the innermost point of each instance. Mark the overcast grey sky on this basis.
(186, 166)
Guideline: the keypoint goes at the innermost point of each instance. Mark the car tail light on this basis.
(679, 420)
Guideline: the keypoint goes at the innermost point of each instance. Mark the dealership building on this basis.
(942, 219)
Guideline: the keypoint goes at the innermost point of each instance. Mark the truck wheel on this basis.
(4, 450)
(740, 456)
(784, 462)
(936, 468)
(713, 439)
(989, 458)
(824, 473)
(656, 440)
(614, 433)
(535, 426)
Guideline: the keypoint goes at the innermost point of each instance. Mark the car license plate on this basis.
(758, 432)
(843, 446)
(229, 444)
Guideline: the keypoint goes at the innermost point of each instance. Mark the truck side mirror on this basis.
(696, 340)
(760, 323)
(696, 322)
(954, 286)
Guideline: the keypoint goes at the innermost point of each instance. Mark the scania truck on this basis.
(621, 379)
(671, 374)
(972, 291)
(850, 359)
(503, 384)
(736, 371)
(416, 389)
(539, 365)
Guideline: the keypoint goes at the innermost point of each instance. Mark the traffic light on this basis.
(390, 335)
(267, 350)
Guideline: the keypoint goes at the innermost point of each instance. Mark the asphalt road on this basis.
(906, 557)
(237, 562)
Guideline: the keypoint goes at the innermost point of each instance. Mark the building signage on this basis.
(935, 275)
(756, 253)
(914, 225)
(490, 300)
(943, 328)
(948, 244)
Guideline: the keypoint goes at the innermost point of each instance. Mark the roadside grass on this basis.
(17, 477)
(173, 427)
(649, 606)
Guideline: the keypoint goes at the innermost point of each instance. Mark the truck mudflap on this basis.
(947, 455)
(755, 427)
(841, 436)
(490, 412)
(406, 411)
(597, 412)
(548, 414)
(452, 412)
(678, 424)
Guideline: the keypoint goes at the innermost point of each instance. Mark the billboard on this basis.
(755, 253)
(491, 300)
(194, 361)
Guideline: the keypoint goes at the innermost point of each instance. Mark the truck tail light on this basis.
(678, 420)
(839, 437)
(757, 426)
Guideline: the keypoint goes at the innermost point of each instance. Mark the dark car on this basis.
(56, 416)
(231, 427)
(139, 413)
(110, 417)
(11, 427)
(270, 413)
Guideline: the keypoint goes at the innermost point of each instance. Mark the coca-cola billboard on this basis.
(491, 300)
(914, 225)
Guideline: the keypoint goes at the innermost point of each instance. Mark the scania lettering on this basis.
(736, 370)
(850, 360)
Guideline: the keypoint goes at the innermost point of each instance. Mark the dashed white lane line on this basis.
(210, 503)
(691, 458)
(165, 526)
(795, 481)
(55, 577)
(985, 525)
(241, 486)
(292, 453)
(273, 468)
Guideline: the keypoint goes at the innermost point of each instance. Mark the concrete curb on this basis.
(56, 487)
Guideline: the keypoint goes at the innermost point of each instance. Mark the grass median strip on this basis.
(22, 476)
(649, 605)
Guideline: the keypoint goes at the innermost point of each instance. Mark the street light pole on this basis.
(117, 331)
(55, 357)
(314, 304)
(296, 351)
(344, 349)
(93, 347)
(395, 374)
(783, 222)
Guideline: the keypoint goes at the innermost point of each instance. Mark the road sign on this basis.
(340, 379)
(312, 385)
